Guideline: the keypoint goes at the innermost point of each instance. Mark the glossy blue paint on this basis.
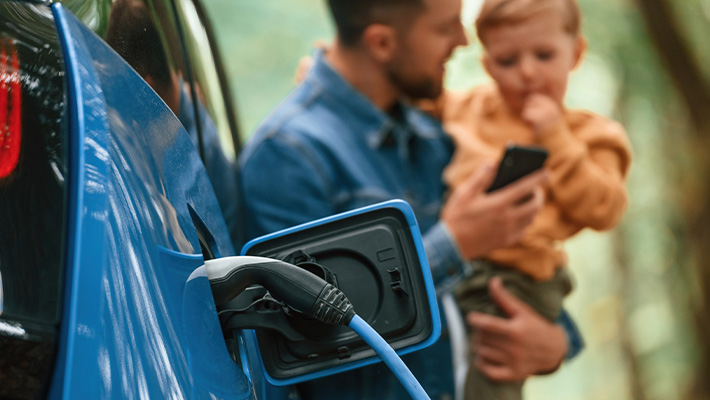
(136, 323)
(249, 336)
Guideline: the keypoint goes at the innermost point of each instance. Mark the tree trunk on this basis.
(692, 87)
(625, 289)
(680, 63)
(699, 238)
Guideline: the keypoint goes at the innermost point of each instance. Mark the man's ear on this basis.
(380, 41)
(580, 49)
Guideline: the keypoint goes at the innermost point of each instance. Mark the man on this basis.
(344, 139)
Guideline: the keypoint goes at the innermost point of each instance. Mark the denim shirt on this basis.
(327, 149)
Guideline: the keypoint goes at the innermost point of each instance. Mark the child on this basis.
(531, 46)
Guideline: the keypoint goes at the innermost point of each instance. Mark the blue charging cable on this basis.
(388, 355)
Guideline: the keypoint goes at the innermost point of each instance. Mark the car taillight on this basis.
(10, 107)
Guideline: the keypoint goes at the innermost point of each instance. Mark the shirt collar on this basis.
(378, 126)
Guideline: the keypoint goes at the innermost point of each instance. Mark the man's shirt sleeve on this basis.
(574, 337)
(447, 266)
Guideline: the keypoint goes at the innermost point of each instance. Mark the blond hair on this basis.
(496, 13)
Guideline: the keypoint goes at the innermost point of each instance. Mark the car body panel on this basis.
(134, 171)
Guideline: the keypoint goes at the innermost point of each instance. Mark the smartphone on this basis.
(517, 162)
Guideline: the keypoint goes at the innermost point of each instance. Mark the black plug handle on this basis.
(286, 282)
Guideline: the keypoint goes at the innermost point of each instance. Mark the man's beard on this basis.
(414, 88)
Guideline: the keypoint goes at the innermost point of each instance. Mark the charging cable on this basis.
(388, 355)
(308, 294)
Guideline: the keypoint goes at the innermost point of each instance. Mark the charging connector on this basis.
(307, 294)
(300, 289)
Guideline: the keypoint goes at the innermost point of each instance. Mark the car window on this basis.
(147, 35)
(211, 84)
(93, 13)
(210, 81)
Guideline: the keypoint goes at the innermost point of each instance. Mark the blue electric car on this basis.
(120, 223)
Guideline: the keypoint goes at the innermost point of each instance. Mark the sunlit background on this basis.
(641, 290)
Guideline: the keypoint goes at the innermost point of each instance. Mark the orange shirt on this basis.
(589, 157)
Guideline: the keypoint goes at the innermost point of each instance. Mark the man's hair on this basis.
(352, 17)
(496, 13)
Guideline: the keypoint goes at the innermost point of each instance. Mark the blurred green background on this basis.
(641, 296)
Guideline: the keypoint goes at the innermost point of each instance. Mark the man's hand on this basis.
(515, 348)
(482, 222)
(541, 112)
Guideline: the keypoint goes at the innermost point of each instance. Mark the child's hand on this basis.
(306, 62)
(541, 112)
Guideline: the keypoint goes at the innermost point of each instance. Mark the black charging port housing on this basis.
(375, 256)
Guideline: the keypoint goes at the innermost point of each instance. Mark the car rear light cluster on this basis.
(10, 107)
